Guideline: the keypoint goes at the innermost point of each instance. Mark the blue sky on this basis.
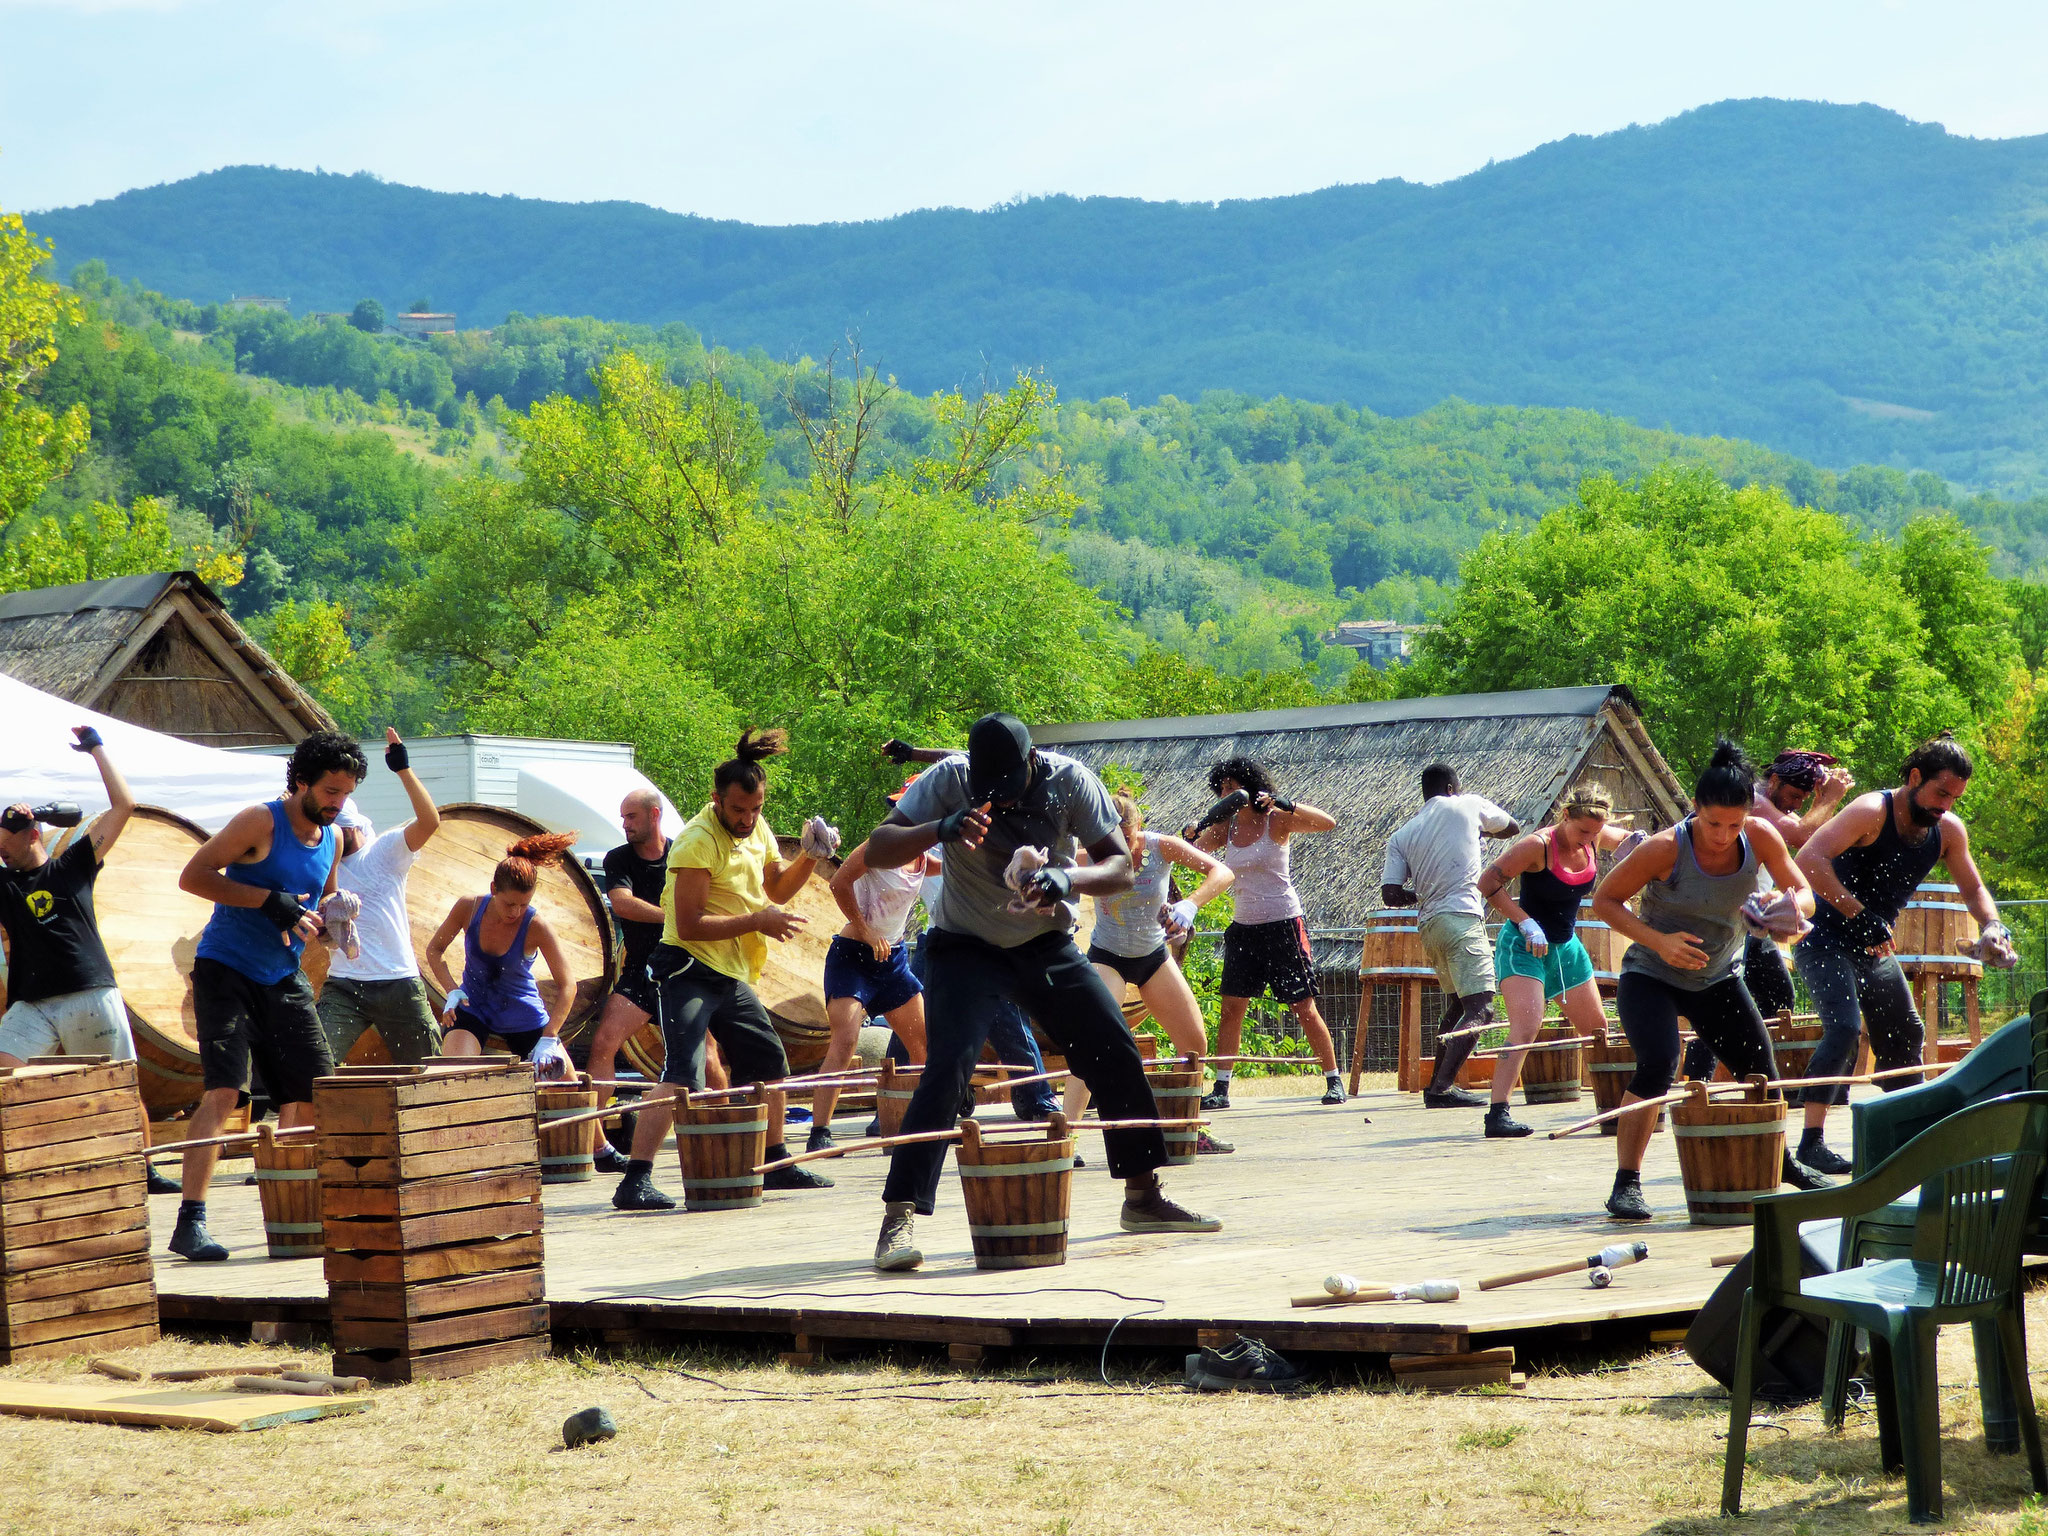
(800, 111)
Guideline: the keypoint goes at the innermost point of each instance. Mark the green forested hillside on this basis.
(1835, 282)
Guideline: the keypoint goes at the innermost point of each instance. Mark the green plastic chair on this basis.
(1986, 1163)
(2006, 1062)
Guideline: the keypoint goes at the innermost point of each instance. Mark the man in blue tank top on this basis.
(1864, 865)
(266, 873)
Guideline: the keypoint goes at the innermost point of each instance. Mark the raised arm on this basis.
(426, 816)
(437, 947)
(898, 840)
(120, 803)
(541, 937)
(1859, 823)
(782, 881)
(1290, 816)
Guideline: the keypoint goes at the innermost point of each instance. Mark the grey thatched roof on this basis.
(82, 640)
(1363, 762)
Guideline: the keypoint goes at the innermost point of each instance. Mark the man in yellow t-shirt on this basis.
(724, 900)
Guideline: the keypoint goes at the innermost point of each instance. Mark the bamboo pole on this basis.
(1935, 1068)
(1576, 1042)
(154, 1154)
(1020, 1133)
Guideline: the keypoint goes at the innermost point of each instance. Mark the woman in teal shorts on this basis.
(1539, 956)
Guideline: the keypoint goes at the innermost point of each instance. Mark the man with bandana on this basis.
(1865, 864)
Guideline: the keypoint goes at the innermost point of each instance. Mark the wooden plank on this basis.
(159, 1407)
(1411, 1365)
(443, 1365)
(128, 1194)
(139, 1293)
(430, 1165)
(64, 1228)
(508, 1288)
(513, 1130)
(93, 1344)
(354, 1335)
(27, 1085)
(1454, 1380)
(18, 1118)
(433, 1263)
(365, 1114)
(427, 1197)
(20, 1261)
(432, 1231)
(49, 1133)
(71, 1325)
(30, 1187)
(65, 1279)
(127, 1143)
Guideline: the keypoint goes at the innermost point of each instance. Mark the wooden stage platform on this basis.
(1415, 1195)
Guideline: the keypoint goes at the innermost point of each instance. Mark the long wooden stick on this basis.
(156, 1153)
(1577, 1042)
(1780, 1082)
(1278, 1061)
(1022, 1133)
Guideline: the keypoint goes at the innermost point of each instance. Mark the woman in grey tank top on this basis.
(1686, 958)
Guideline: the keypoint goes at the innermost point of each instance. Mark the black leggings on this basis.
(1769, 983)
(1723, 1015)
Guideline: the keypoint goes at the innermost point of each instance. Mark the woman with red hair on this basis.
(501, 934)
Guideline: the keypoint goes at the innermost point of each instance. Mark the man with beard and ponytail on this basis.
(727, 891)
(1864, 865)
(997, 809)
(266, 872)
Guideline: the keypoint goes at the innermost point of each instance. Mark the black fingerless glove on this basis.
(1866, 930)
(396, 757)
(897, 751)
(952, 825)
(88, 739)
(1050, 885)
(283, 910)
(1279, 802)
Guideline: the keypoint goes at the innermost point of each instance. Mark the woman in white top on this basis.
(1265, 948)
(867, 970)
(1134, 928)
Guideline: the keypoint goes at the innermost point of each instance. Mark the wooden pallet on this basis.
(430, 1204)
(75, 1271)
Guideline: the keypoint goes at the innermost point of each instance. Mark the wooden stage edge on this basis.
(1412, 1195)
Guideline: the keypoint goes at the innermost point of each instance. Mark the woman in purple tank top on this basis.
(501, 934)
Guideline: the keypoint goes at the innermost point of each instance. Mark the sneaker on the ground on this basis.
(607, 1159)
(1218, 1099)
(1628, 1204)
(159, 1185)
(191, 1240)
(1334, 1094)
(820, 1139)
(896, 1249)
(1453, 1098)
(1155, 1213)
(1204, 1142)
(1080, 1161)
(1800, 1177)
(1500, 1125)
(1245, 1366)
(636, 1192)
(874, 1129)
(795, 1178)
(1825, 1159)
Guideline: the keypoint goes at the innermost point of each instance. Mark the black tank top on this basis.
(1553, 899)
(1882, 874)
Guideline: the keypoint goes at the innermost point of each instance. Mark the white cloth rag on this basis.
(338, 914)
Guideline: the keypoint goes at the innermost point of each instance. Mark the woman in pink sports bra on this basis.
(1539, 956)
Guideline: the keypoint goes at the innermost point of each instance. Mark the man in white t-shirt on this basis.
(1433, 865)
(380, 988)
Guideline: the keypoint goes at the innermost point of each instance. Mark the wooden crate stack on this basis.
(1453, 1373)
(430, 1198)
(74, 1215)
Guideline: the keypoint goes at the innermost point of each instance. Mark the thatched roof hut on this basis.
(160, 651)
(1363, 764)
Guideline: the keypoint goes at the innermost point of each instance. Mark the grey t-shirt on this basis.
(1438, 849)
(1065, 808)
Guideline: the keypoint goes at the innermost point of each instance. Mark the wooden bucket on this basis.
(288, 1183)
(1392, 948)
(458, 861)
(1552, 1077)
(1604, 947)
(1148, 1046)
(1952, 1050)
(1933, 923)
(1613, 1062)
(1730, 1151)
(720, 1145)
(1016, 1192)
(151, 930)
(892, 1096)
(1177, 1091)
(566, 1155)
(1792, 1047)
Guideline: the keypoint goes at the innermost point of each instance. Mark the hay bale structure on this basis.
(1363, 764)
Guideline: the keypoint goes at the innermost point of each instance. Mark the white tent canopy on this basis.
(37, 764)
(584, 798)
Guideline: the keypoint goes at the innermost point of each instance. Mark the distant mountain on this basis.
(1835, 282)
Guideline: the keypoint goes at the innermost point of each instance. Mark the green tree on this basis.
(37, 445)
(106, 540)
(368, 315)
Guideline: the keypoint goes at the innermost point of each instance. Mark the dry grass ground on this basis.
(882, 1447)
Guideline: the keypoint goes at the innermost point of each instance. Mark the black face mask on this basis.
(1921, 815)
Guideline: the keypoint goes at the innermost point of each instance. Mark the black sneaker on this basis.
(607, 1159)
(636, 1192)
(1080, 1161)
(1801, 1178)
(874, 1129)
(1627, 1204)
(1453, 1098)
(820, 1139)
(1822, 1158)
(1246, 1366)
(1334, 1094)
(1502, 1126)
(1219, 1099)
(159, 1185)
(192, 1241)
(795, 1178)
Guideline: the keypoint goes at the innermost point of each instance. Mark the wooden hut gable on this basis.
(160, 651)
